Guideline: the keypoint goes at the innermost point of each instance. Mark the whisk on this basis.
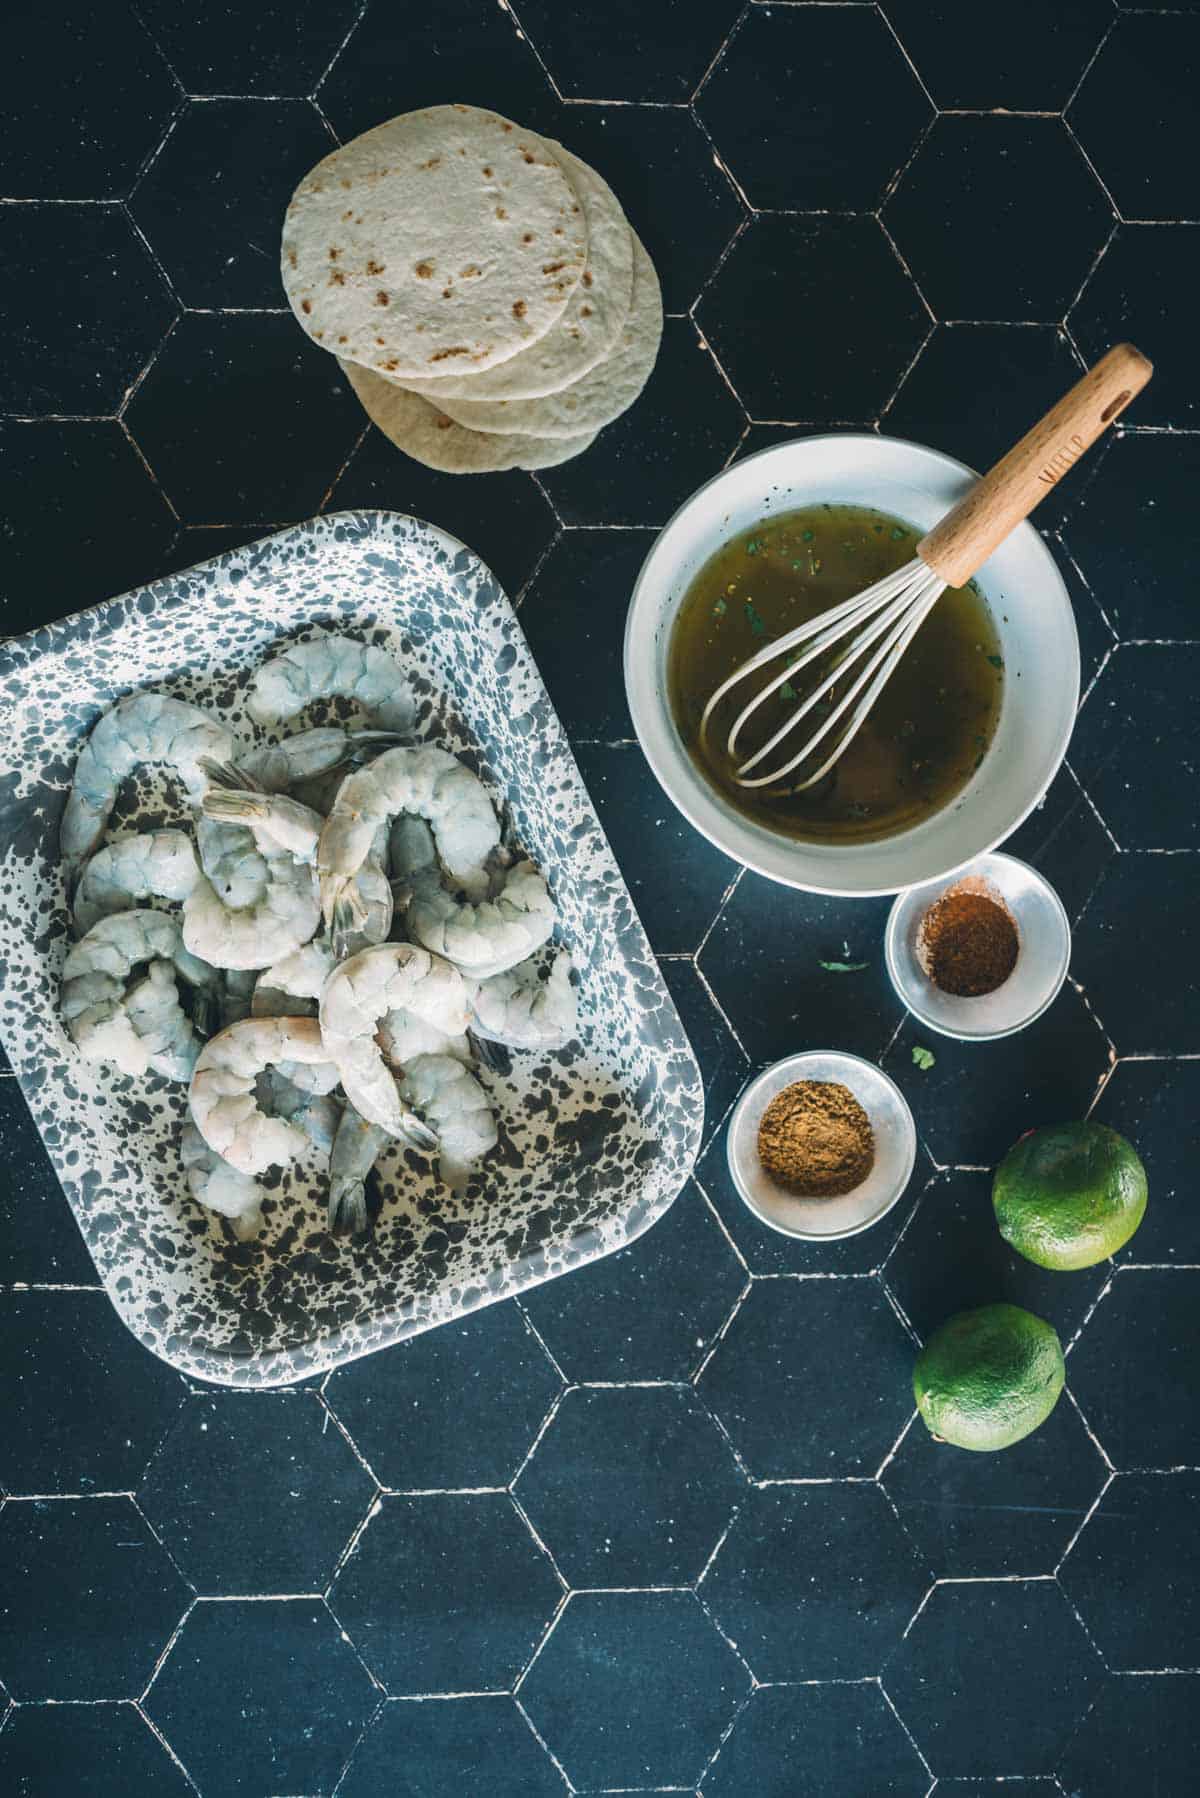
(880, 623)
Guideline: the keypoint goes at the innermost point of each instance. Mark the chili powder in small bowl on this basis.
(821, 1145)
(982, 954)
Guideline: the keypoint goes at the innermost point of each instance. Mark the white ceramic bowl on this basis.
(1030, 606)
(1044, 953)
(824, 1220)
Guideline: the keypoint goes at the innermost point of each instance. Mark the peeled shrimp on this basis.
(161, 863)
(142, 728)
(430, 783)
(222, 1094)
(363, 990)
(524, 1011)
(481, 939)
(333, 667)
(316, 1113)
(292, 986)
(214, 1183)
(137, 1025)
(456, 1107)
(278, 767)
(357, 1146)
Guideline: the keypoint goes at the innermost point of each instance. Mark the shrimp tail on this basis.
(229, 774)
(235, 805)
(348, 1214)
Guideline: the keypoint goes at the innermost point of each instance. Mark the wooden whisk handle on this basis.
(983, 518)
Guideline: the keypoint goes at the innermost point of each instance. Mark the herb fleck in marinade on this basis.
(928, 731)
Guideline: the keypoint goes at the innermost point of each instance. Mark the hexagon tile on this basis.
(668, 1523)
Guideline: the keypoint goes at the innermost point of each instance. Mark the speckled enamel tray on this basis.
(596, 1140)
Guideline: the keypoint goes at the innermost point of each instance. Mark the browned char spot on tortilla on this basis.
(443, 424)
(552, 268)
(373, 267)
(306, 305)
(423, 270)
(336, 278)
(527, 237)
(472, 269)
(585, 312)
(500, 213)
(381, 298)
(459, 349)
(446, 292)
(334, 253)
(487, 173)
(518, 308)
(586, 277)
(292, 259)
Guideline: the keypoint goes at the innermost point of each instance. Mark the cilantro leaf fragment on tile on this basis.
(922, 1057)
(842, 967)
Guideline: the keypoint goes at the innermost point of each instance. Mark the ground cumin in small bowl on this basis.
(821, 1145)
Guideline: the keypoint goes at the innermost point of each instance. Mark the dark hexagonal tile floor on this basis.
(479, 56)
(1156, 1104)
(841, 275)
(301, 1698)
(1131, 293)
(90, 1599)
(446, 1593)
(1136, 954)
(507, 520)
(1133, 1369)
(943, 1677)
(630, 1486)
(1134, 1573)
(642, 467)
(648, 834)
(234, 162)
(650, 1311)
(256, 1492)
(977, 1098)
(456, 1407)
(1017, 372)
(589, 51)
(85, 519)
(952, 1258)
(807, 1741)
(1152, 1724)
(83, 1405)
(243, 418)
(724, 1064)
(767, 960)
(104, 1750)
(815, 1582)
(1135, 534)
(1142, 706)
(1131, 114)
(269, 48)
(458, 1745)
(1065, 841)
(1018, 54)
(1006, 202)
(661, 1686)
(79, 343)
(55, 1251)
(574, 617)
(112, 97)
(762, 1385)
(1013, 1513)
(848, 105)
(676, 197)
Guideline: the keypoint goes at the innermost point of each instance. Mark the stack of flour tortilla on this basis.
(480, 286)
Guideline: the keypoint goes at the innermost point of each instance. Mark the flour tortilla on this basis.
(588, 330)
(599, 396)
(445, 238)
(428, 436)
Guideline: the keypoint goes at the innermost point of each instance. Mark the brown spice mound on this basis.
(816, 1140)
(970, 943)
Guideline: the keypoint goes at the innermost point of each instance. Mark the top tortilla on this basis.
(445, 238)
(588, 330)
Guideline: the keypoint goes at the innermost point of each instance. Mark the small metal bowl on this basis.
(824, 1220)
(1043, 955)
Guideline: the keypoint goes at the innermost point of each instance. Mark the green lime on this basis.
(988, 1377)
(1070, 1195)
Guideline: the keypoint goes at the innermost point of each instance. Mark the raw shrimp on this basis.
(219, 1186)
(298, 977)
(524, 1011)
(288, 912)
(482, 939)
(333, 667)
(161, 864)
(233, 863)
(392, 977)
(278, 767)
(429, 782)
(357, 1146)
(454, 1104)
(316, 1113)
(136, 1025)
(402, 1035)
(222, 1095)
(141, 728)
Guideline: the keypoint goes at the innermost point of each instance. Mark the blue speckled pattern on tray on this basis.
(596, 1139)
